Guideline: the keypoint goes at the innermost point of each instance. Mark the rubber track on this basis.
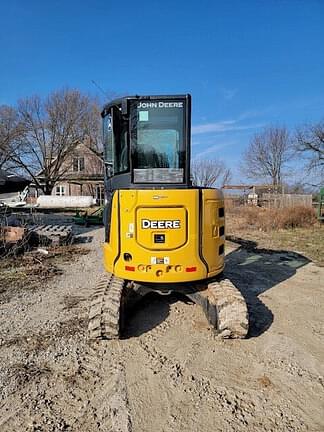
(232, 320)
(223, 304)
(104, 314)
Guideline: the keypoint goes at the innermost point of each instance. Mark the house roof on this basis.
(11, 182)
(79, 144)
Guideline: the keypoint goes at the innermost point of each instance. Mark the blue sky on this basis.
(246, 63)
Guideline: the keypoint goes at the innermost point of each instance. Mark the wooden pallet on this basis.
(56, 235)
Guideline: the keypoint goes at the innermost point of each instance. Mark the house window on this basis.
(60, 190)
(78, 164)
(100, 196)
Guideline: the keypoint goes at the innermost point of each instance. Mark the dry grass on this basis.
(273, 219)
(32, 270)
(295, 229)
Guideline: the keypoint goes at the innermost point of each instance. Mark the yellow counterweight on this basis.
(166, 235)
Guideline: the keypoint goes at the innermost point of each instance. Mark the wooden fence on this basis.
(285, 200)
(269, 200)
(234, 201)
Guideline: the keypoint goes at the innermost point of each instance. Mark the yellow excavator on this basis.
(162, 233)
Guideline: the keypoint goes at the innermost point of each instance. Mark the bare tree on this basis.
(93, 124)
(209, 173)
(52, 128)
(309, 142)
(10, 131)
(267, 155)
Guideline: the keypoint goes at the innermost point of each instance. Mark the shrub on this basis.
(271, 219)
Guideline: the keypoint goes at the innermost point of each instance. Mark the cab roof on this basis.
(123, 100)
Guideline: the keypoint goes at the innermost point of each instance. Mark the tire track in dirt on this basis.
(170, 374)
(93, 397)
(104, 391)
(59, 380)
(184, 385)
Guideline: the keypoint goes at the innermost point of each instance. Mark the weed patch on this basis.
(272, 219)
(32, 270)
(293, 229)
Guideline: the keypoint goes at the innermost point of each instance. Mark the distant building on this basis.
(83, 174)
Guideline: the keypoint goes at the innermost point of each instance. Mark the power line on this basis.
(98, 86)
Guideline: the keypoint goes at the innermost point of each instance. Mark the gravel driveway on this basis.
(170, 372)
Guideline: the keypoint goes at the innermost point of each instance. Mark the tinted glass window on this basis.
(120, 130)
(108, 139)
(157, 139)
(115, 130)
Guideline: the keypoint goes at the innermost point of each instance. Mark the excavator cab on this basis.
(162, 233)
(147, 142)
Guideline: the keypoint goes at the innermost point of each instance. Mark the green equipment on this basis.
(86, 218)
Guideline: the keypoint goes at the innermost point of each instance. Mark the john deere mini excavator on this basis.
(162, 234)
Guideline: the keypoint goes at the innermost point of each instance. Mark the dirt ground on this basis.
(170, 373)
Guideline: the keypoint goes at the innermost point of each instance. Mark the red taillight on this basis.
(129, 268)
(191, 269)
